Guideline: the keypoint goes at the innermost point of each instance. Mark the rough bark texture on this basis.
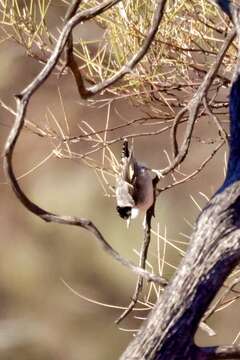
(214, 251)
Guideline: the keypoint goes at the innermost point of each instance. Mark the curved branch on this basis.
(213, 253)
(193, 107)
(127, 68)
(22, 102)
(219, 352)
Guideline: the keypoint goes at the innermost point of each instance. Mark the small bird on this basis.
(134, 186)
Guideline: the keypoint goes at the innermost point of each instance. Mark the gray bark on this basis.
(214, 251)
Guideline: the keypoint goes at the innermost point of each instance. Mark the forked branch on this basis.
(213, 253)
(22, 103)
(126, 68)
(193, 108)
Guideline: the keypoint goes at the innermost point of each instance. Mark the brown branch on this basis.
(72, 9)
(121, 138)
(22, 102)
(210, 26)
(195, 172)
(67, 220)
(143, 256)
(29, 125)
(215, 244)
(142, 264)
(141, 120)
(127, 68)
(221, 130)
(213, 253)
(229, 288)
(69, 55)
(219, 352)
(193, 108)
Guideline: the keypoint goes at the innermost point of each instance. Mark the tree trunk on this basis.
(213, 252)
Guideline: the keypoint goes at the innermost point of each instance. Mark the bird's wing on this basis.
(125, 179)
(127, 163)
(124, 193)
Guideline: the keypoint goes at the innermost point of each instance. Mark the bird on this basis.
(134, 186)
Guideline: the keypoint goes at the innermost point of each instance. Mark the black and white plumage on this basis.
(134, 186)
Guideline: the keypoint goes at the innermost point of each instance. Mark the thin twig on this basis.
(219, 352)
(218, 302)
(195, 172)
(193, 107)
(22, 102)
(29, 125)
(70, 60)
(126, 68)
(221, 130)
(143, 256)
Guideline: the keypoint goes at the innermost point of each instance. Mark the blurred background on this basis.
(40, 316)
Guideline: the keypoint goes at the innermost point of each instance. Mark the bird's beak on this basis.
(128, 222)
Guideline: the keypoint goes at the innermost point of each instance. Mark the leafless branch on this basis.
(29, 125)
(218, 303)
(143, 256)
(221, 130)
(213, 253)
(193, 108)
(219, 352)
(22, 102)
(214, 249)
(195, 172)
(127, 68)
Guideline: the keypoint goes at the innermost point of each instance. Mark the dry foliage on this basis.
(181, 78)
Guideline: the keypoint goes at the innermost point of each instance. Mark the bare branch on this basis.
(195, 172)
(219, 352)
(70, 59)
(221, 130)
(214, 248)
(143, 256)
(22, 103)
(128, 67)
(29, 125)
(218, 303)
(83, 16)
(213, 253)
(193, 107)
